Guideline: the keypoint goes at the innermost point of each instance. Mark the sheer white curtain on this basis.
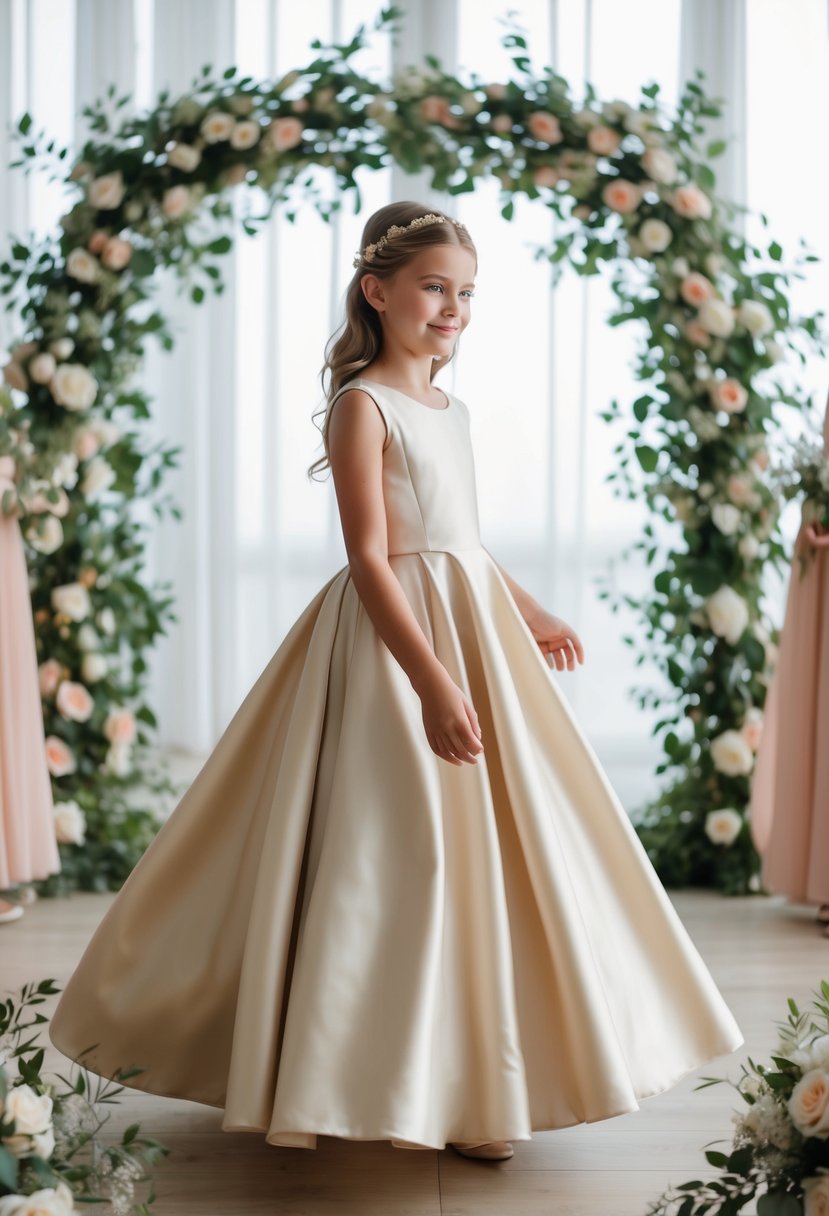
(257, 539)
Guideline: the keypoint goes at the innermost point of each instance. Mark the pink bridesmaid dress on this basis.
(28, 849)
(789, 811)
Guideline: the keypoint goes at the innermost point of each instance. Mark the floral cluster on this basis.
(780, 1149)
(52, 1154)
(633, 190)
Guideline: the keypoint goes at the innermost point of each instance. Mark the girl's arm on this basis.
(527, 606)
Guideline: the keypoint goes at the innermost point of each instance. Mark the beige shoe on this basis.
(489, 1150)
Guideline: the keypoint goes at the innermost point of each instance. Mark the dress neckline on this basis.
(433, 409)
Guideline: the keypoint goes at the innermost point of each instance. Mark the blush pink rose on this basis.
(285, 133)
(622, 196)
(602, 140)
(690, 202)
(695, 289)
(74, 702)
(544, 127)
(119, 726)
(116, 253)
(729, 395)
(695, 333)
(59, 758)
(49, 674)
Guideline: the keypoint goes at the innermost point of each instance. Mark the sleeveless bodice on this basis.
(428, 471)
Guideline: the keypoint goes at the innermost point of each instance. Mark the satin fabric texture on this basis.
(28, 848)
(338, 933)
(789, 808)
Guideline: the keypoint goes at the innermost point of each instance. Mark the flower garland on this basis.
(632, 190)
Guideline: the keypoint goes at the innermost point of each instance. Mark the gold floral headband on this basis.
(370, 251)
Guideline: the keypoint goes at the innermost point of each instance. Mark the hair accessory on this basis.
(420, 221)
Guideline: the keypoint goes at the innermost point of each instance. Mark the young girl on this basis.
(401, 900)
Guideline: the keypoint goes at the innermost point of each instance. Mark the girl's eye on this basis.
(465, 292)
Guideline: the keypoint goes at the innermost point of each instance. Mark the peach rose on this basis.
(729, 395)
(117, 253)
(59, 759)
(119, 726)
(434, 108)
(502, 124)
(245, 134)
(696, 289)
(602, 140)
(184, 157)
(107, 192)
(752, 728)
(622, 196)
(690, 202)
(176, 202)
(816, 1195)
(49, 675)
(85, 443)
(97, 241)
(285, 133)
(809, 1104)
(74, 702)
(544, 127)
(695, 333)
(545, 175)
(217, 126)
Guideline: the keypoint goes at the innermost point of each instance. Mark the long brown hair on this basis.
(359, 339)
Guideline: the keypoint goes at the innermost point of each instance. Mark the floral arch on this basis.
(633, 188)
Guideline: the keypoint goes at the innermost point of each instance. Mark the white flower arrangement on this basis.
(779, 1154)
(51, 1152)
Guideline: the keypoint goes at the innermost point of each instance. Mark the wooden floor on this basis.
(759, 950)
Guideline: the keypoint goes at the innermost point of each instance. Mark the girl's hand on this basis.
(555, 637)
(450, 721)
(819, 540)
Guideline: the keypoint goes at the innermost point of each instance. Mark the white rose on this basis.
(749, 547)
(217, 126)
(184, 157)
(47, 1202)
(774, 350)
(42, 368)
(70, 822)
(726, 517)
(46, 534)
(731, 754)
(118, 759)
(82, 265)
(655, 235)
(816, 1195)
(73, 386)
(723, 827)
(94, 667)
(660, 165)
(62, 348)
(176, 202)
(30, 1112)
(809, 1104)
(105, 431)
(755, 316)
(106, 192)
(716, 317)
(99, 477)
(245, 135)
(819, 1052)
(87, 637)
(106, 620)
(727, 613)
(72, 599)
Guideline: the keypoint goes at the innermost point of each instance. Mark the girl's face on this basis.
(425, 306)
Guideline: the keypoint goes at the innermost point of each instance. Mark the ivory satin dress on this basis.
(338, 933)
